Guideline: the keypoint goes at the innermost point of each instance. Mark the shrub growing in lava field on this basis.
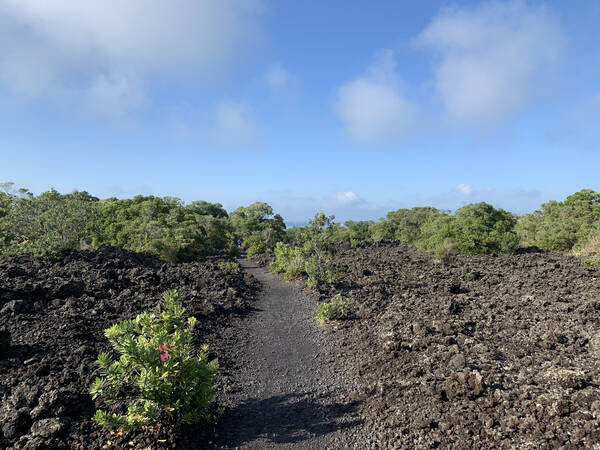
(229, 266)
(591, 262)
(335, 309)
(315, 257)
(591, 246)
(563, 226)
(477, 228)
(319, 269)
(158, 363)
(289, 260)
(444, 251)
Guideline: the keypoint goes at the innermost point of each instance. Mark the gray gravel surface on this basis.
(287, 388)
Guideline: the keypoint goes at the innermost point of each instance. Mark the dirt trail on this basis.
(290, 395)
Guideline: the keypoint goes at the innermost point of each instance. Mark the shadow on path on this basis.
(285, 419)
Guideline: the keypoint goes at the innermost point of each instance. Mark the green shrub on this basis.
(255, 245)
(592, 245)
(404, 224)
(46, 223)
(319, 270)
(163, 226)
(562, 226)
(291, 261)
(335, 309)
(590, 262)
(314, 258)
(230, 266)
(234, 252)
(51, 222)
(444, 251)
(157, 363)
(475, 229)
(257, 227)
(354, 232)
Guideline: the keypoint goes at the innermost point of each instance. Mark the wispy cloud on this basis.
(490, 57)
(344, 198)
(465, 189)
(114, 95)
(49, 48)
(278, 77)
(372, 108)
(233, 126)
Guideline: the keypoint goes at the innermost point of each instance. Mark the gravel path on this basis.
(291, 395)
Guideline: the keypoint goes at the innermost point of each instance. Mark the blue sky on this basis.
(355, 108)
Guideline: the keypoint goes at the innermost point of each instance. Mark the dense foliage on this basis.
(477, 228)
(50, 222)
(158, 365)
(474, 228)
(404, 224)
(45, 223)
(562, 226)
(257, 227)
(164, 226)
(314, 258)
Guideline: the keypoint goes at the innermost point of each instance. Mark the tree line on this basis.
(175, 231)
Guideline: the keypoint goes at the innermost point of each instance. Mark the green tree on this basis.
(164, 226)
(477, 228)
(47, 223)
(404, 224)
(562, 226)
(257, 227)
(357, 231)
(315, 257)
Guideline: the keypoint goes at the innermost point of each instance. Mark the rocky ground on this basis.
(482, 352)
(53, 313)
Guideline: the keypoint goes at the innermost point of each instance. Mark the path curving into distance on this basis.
(291, 396)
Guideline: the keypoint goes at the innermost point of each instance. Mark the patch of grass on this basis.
(590, 262)
(334, 309)
(444, 252)
(592, 245)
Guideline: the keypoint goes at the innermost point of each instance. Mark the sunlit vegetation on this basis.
(175, 231)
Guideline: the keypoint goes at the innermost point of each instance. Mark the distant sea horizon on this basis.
(296, 224)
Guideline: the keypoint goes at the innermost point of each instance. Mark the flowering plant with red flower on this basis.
(178, 381)
(164, 352)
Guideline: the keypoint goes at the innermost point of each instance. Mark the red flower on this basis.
(164, 352)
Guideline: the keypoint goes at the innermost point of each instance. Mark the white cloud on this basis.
(278, 77)
(50, 47)
(114, 95)
(344, 205)
(465, 189)
(233, 125)
(372, 108)
(491, 57)
(345, 198)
